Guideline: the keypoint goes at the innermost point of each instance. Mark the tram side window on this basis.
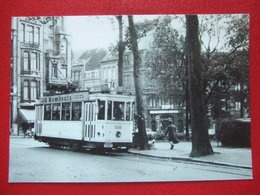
(109, 110)
(56, 112)
(128, 111)
(47, 112)
(118, 113)
(76, 111)
(101, 110)
(65, 112)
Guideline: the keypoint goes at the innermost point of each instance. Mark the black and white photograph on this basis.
(130, 98)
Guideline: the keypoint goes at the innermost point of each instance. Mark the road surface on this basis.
(31, 161)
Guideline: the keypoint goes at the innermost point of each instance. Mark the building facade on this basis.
(40, 65)
(86, 70)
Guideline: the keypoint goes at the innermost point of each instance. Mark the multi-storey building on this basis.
(86, 70)
(109, 73)
(40, 65)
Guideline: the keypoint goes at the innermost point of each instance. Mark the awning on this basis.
(27, 115)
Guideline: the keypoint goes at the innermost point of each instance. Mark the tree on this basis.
(200, 140)
(238, 42)
(138, 92)
(121, 48)
(166, 62)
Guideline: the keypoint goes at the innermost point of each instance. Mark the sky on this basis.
(90, 32)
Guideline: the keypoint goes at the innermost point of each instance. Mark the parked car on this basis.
(211, 133)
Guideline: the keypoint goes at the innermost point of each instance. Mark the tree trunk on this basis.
(138, 92)
(200, 139)
(187, 101)
(241, 99)
(121, 48)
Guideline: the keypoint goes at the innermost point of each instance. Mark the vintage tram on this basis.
(83, 120)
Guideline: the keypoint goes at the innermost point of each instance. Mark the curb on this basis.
(190, 159)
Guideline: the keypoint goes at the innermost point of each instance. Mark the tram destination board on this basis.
(65, 98)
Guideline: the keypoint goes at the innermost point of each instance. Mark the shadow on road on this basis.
(100, 152)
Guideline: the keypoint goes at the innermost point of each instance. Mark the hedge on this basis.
(231, 132)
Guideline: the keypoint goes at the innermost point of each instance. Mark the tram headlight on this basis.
(118, 134)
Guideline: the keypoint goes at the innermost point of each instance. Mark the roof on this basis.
(91, 58)
(109, 58)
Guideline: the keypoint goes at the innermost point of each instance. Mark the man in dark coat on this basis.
(171, 131)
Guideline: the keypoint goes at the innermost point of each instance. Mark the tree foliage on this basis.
(166, 60)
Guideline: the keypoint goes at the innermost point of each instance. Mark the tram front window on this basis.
(128, 111)
(101, 110)
(118, 113)
(109, 110)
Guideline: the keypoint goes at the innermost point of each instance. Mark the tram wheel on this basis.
(76, 147)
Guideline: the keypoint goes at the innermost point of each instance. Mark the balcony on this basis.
(58, 81)
(31, 45)
(32, 73)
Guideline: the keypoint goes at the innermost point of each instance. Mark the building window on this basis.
(26, 61)
(33, 90)
(113, 72)
(64, 70)
(30, 90)
(33, 61)
(54, 70)
(23, 33)
(92, 75)
(37, 35)
(126, 81)
(30, 34)
(63, 46)
(127, 59)
(152, 102)
(160, 102)
(26, 90)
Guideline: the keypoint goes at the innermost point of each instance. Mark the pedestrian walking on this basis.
(171, 131)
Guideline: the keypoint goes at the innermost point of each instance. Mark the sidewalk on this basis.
(228, 156)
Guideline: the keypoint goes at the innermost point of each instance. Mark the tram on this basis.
(83, 120)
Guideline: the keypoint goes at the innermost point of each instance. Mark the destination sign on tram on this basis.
(65, 98)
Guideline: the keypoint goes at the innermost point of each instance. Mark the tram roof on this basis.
(84, 96)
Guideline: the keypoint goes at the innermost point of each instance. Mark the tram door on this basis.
(39, 118)
(90, 118)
